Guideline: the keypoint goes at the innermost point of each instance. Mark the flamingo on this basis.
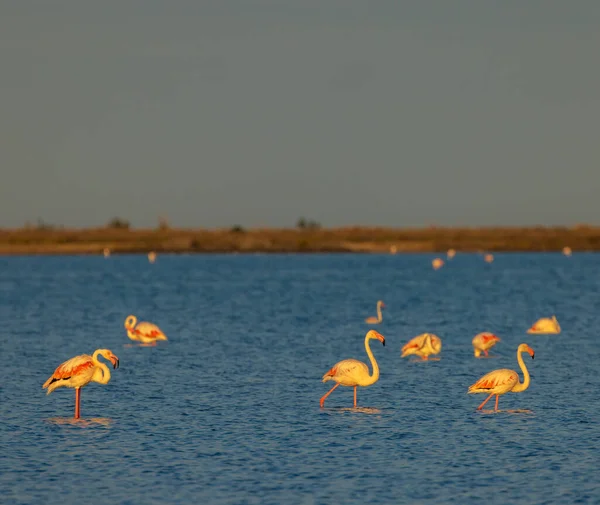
(352, 372)
(437, 263)
(451, 253)
(502, 381)
(482, 342)
(545, 325)
(488, 258)
(151, 256)
(423, 345)
(379, 318)
(567, 251)
(106, 252)
(80, 371)
(147, 333)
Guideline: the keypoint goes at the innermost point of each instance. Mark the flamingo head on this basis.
(377, 335)
(527, 349)
(381, 304)
(130, 322)
(108, 354)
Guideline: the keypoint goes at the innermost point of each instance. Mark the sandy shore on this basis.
(356, 239)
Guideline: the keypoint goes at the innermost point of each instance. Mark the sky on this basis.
(213, 113)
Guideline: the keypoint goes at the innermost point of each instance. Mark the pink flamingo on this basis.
(423, 345)
(352, 372)
(80, 371)
(545, 325)
(147, 333)
(482, 342)
(502, 381)
(379, 318)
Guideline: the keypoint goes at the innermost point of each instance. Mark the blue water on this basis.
(227, 411)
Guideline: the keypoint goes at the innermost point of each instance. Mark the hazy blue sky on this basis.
(257, 112)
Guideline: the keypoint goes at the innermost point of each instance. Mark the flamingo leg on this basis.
(354, 396)
(425, 358)
(485, 401)
(496, 409)
(77, 401)
(322, 400)
(486, 353)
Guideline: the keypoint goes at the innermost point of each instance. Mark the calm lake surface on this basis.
(227, 411)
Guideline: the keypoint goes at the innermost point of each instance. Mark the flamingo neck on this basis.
(375, 376)
(102, 374)
(522, 386)
(379, 316)
(131, 322)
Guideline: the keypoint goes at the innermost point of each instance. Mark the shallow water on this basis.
(227, 411)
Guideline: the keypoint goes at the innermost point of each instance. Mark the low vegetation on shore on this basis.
(307, 236)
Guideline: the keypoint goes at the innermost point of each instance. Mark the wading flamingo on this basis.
(451, 253)
(567, 251)
(80, 371)
(144, 332)
(488, 258)
(151, 256)
(423, 345)
(437, 263)
(378, 319)
(352, 372)
(482, 342)
(545, 325)
(502, 381)
(106, 252)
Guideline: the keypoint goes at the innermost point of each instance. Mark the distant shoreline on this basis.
(34, 241)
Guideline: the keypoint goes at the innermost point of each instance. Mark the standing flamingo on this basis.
(482, 342)
(148, 333)
(437, 263)
(80, 371)
(352, 372)
(489, 258)
(379, 318)
(545, 325)
(502, 381)
(423, 345)
(451, 253)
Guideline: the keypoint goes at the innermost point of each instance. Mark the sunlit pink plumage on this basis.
(483, 342)
(79, 371)
(147, 333)
(502, 381)
(351, 372)
(379, 318)
(423, 345)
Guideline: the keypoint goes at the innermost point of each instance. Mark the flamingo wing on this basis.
(415, 343)
(148, 330)
(346, 368)
(503, 379)
(70, 368)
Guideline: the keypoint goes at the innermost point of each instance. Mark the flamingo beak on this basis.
(115, 362)
(531, 352)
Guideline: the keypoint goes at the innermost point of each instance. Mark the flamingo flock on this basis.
(81, 370)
